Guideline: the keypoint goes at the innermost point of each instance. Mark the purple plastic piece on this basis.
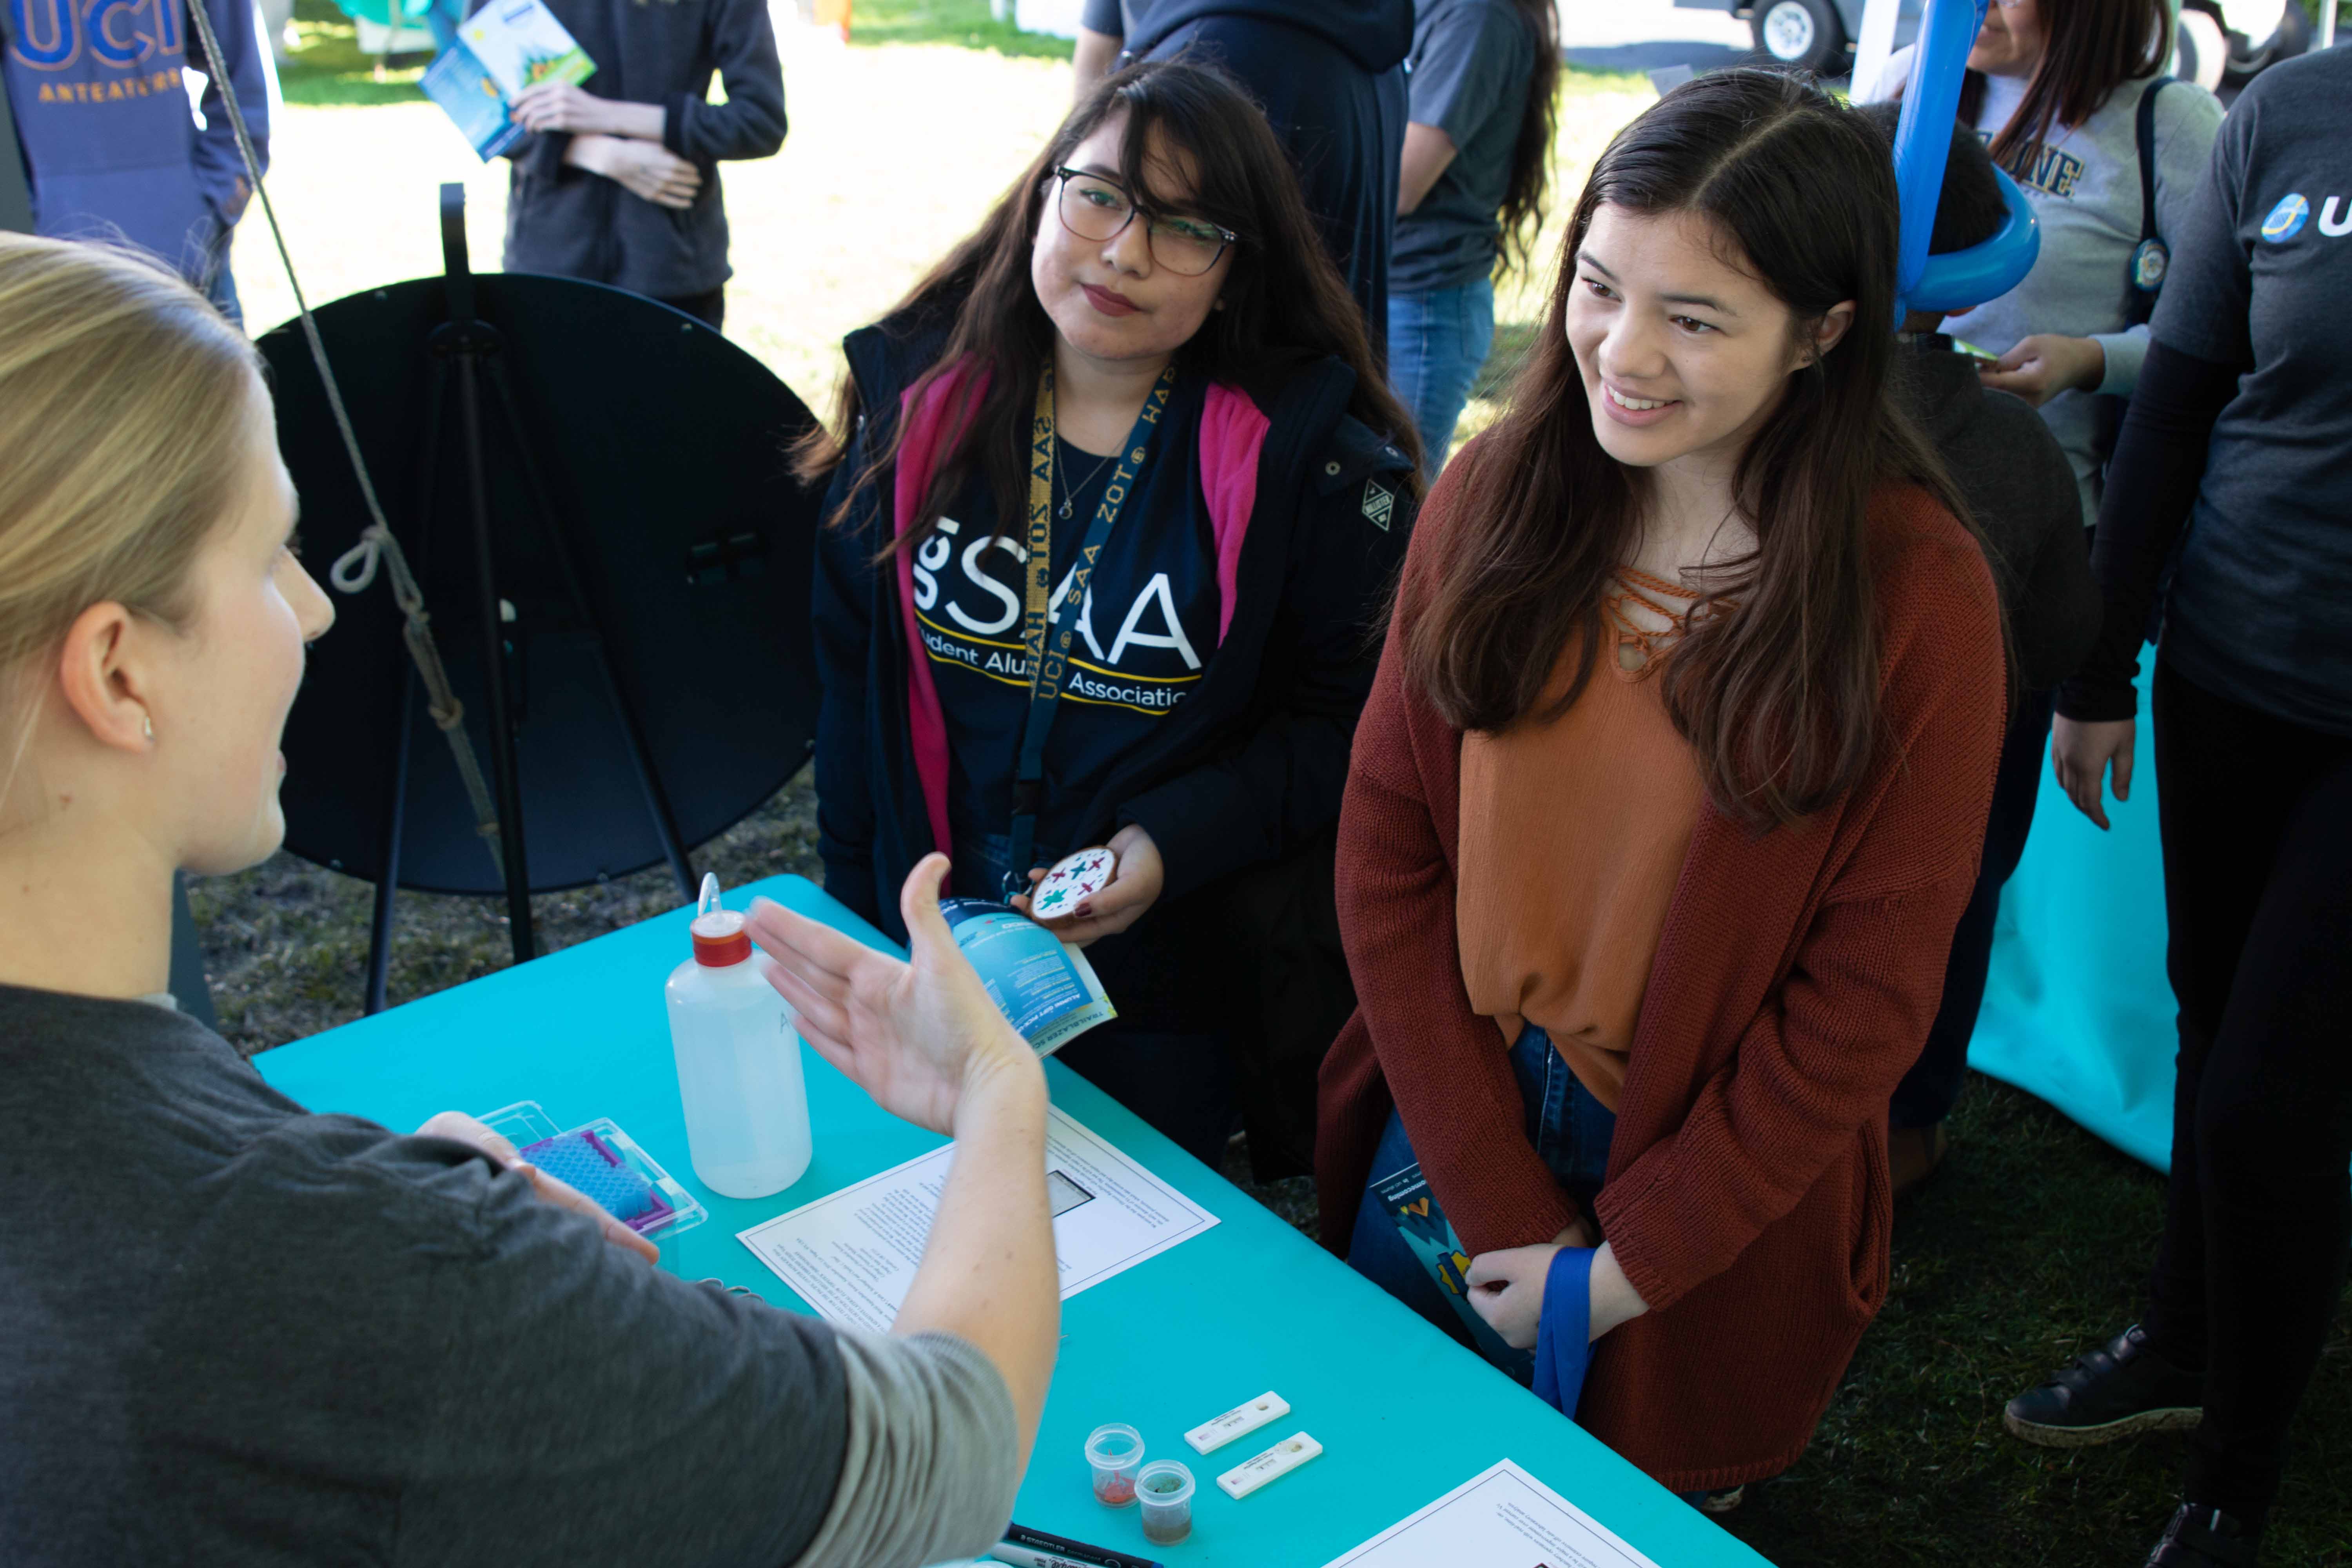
(624, 1194)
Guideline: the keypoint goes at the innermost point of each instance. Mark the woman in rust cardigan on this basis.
(1667, 798)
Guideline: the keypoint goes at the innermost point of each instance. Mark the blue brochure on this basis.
(501, 50)
(1044, 985)
(470, 96)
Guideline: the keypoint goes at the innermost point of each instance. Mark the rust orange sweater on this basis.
(1798, 970)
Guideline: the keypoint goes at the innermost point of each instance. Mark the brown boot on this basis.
(1912, 1155)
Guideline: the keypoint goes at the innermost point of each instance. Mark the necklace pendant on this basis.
(1066, 510)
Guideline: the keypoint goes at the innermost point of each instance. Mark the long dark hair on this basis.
(2091, 48)
(1776, 685)
(1523, 198)
(1286, 305)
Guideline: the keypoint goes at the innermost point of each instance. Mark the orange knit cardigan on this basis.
(1746, 1197)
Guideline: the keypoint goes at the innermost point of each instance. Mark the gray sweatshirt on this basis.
(236, 1332)
(2085, 188)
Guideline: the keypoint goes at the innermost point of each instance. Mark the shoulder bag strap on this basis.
(2150, 257)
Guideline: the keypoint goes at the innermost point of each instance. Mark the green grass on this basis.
(327, 68)
(1575, 81)
(2029, 1247)
(964, 23)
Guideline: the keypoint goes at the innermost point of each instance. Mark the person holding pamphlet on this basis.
(1144, 333)
(1666, 802)
(615, 175)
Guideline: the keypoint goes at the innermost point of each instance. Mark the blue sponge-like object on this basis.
(583, 1161)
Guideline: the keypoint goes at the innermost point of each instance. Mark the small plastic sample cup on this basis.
(1164, 1488)
(1115, 1453)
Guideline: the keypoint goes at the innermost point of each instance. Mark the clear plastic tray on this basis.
(673, 1211)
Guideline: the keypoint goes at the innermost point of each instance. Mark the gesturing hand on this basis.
(464, 1129)
(2080, 753)
(1134, 888)
(918, 1036)
(2041, 367)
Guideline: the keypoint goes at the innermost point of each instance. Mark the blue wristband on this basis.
(1564, 1330)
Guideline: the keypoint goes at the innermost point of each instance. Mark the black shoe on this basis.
(2200, 1537)
(2118, 1390)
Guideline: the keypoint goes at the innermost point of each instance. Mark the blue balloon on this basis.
(1961, 280)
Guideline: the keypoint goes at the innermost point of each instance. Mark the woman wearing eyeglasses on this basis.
(1142, 371)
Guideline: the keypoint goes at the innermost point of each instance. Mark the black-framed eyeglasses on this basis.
(1099, 209)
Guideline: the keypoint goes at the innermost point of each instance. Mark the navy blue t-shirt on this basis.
(1145, 633)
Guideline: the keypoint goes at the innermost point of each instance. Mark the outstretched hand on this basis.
(918, 1035)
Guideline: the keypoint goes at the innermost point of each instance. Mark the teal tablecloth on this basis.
(2077, 1009)
(1404, 1414)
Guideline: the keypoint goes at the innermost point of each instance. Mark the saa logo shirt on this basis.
(1146, 629)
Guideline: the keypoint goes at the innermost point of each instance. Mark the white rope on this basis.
(356, 568)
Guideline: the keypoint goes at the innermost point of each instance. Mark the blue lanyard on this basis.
(1045, 633)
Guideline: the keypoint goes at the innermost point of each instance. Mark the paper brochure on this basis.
(471, 100)
(852, 1254)
(501, 49)
(1501, 1518)
(1044, 987)
(521, 44)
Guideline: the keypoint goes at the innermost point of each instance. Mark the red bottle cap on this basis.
(721, 940)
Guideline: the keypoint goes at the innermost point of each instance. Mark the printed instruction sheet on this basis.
(1501, 1518)
(852, 1254)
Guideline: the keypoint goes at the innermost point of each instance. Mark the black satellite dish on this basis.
(596, 486)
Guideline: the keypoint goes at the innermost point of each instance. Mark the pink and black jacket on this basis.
(1310, 511)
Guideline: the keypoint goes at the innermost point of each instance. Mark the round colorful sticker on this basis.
(1073, 879)
(2286, 219)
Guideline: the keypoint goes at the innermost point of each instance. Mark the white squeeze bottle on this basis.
(739, 1061)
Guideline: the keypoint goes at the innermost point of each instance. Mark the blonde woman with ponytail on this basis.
(236, 1331)
(151, 612)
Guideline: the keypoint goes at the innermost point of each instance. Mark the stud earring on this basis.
(147, 726)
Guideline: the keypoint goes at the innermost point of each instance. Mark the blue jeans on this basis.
(1571, 1133)
(1438, 338)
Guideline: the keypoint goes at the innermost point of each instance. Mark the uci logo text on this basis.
(2293, 210)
